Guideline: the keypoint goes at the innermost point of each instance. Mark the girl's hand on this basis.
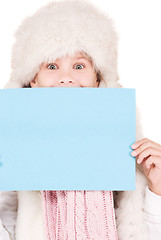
(148, 154)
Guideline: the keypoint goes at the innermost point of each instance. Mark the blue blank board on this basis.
(67, 139)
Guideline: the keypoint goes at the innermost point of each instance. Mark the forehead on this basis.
(80, 55)
(76, 56)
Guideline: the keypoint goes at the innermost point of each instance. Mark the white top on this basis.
(152, 214)
(8, 214)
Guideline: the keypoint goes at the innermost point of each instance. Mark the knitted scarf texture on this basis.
(79, 215)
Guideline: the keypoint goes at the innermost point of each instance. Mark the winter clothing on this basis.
(55, 30)
(63, 28)
(152, 214)
(8, 209)
(79, 215)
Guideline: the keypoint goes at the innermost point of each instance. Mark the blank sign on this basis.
(67, 139)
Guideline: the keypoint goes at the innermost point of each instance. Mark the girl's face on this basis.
(75, 71)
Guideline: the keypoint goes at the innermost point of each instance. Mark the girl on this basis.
(72, 44)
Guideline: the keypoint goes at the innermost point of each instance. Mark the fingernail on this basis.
(138, 161)
(133, 145)
(133, 153)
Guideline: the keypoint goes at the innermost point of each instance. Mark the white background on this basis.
(138, 23)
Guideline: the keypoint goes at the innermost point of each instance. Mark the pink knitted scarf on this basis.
(79, 215)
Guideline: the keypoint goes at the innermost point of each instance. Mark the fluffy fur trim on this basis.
(61, 28)
(30, 225)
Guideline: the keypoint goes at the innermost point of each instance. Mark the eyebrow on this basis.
(83, 57)
(80, 57)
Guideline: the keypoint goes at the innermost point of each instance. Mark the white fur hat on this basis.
(61, 28)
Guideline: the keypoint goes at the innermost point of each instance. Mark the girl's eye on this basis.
(79, 66)
(52, 66)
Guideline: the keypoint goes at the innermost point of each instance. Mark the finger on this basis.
(142, 141)
(145, 168)
(139, 142)
(153, 161)
(144, 146)
(147, 152)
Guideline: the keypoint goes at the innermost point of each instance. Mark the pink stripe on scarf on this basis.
(79, 215)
